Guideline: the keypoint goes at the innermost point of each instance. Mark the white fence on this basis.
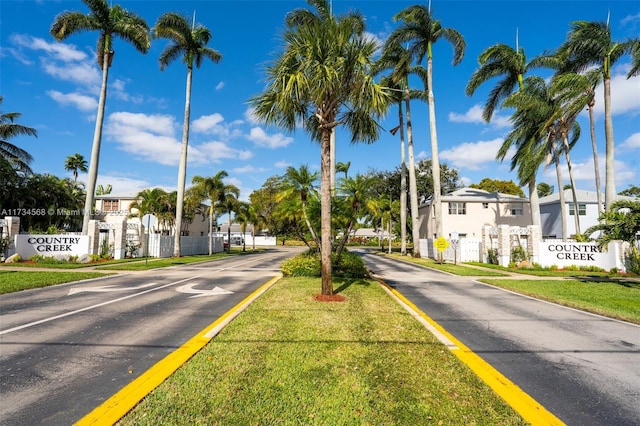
(162, 245)
(465, 250)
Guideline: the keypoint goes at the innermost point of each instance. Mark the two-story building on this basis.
(467, 210)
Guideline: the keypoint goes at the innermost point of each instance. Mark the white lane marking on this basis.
(88, 308)
(106, 289)
(188, 288)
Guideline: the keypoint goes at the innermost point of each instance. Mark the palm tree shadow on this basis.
(345, 283)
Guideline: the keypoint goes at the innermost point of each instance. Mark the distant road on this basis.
(65, 349)
(583, 368)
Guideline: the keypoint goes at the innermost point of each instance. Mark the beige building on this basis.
(467, 210)
(115, 208)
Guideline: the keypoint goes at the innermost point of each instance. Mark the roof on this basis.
(586, 197)
(474, 195)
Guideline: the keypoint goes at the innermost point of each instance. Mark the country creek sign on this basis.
(51, 245)
(564, 254)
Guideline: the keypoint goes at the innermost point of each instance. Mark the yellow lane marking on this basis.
(530, 410)
(114, 408)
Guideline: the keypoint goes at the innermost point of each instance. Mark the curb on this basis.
(530, 410)
(118, 405)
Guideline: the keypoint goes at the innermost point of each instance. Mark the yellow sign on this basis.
(441, 244)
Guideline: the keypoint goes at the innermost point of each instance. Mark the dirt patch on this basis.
(329, 298)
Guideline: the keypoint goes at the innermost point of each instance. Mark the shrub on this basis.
(492, 256)
(307, 264)
(518, 254)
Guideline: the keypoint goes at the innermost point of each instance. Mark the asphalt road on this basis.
(583, 368)
(65, 349)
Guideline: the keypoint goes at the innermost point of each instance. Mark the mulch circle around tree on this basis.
(329, 298)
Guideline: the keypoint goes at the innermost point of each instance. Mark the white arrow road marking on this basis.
(188, 288)
(106, 288)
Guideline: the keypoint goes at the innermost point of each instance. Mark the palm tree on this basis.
(211, 188)
(343, 168)
(104, 189)
(301, 184)
(149, 201)
(398, 59)
(189, 43)
(75, 163)
(12, 157)
(246, 215)
(110, 22)
(420, 30)
(323, 78)
(354, 193)
(228, 205)
(577, 91)
(589, 44)
(620, 222)
(501, 60)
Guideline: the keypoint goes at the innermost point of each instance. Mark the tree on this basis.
(544, 189)
(110, 22)
(501, 60)
(420, 30)
(75, 163)
(150, 201)
(354, 193)
(590, 44)
(578, 91)
(631, 191)
(104, 189)
(323, 78)
(301, 184)
(343, 168)
(497, 185)
(398, 59)
(244, 216)
(264, 202)
(228, 205)
(189, 43)
(14, 159)
(211, 188)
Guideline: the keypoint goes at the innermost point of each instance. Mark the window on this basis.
(457, 208)
(110, 205)
(582, 209)
(516, 210)
(485, 205)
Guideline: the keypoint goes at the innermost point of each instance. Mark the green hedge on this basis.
(307, 264)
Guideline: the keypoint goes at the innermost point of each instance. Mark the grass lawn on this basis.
(458, 269)
(288, 359)
(153, 263)
(612, 298)
(11, 281)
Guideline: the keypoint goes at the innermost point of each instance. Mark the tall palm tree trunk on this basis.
(534, 202)
(95, 149)
(325, 215)
(576, 215)
(403, 186)
(413, 187)
(333, 161)
(182, 168)
(211, 229)
(563, 209)
(610, 183)
(435, 159)
(596, 167)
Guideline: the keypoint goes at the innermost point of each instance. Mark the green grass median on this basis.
(289, 359)
(11, 281)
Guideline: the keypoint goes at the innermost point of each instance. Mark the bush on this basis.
(492, 256)
(307, 264)
(518, 254)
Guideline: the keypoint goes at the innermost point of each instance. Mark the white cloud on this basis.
(632, 142)
(282, 164)
(216, 151)
(624, 93)
(123, 185)
(82, 102)
(260, 138)
(208, 123)
(249, 169)
(61, 51)
(249, 115)
(473, 155)
(83, 73)
(474, 115)
(220, 85)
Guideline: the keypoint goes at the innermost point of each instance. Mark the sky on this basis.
(55, 86)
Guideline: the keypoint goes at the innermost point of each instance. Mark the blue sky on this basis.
(55, 85)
